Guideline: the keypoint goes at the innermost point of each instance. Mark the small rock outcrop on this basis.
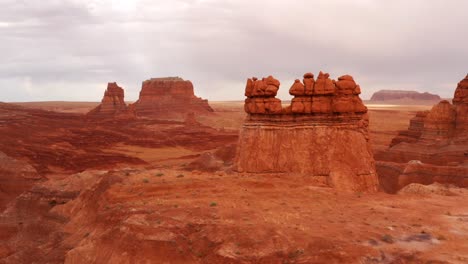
(437, 139)
(396, 95)
(169, 96)
(261, 96)
(322, 135)
(113, 104)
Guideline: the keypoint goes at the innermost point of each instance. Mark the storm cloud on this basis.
(70, 49)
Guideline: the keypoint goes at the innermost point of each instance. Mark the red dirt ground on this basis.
(135, 203)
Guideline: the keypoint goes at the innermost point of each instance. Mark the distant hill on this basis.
(403, 96)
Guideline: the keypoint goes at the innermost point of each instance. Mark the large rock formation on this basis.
(170, 96)
(112, 104)
(396, 95)
(322, 135)
(437, 140)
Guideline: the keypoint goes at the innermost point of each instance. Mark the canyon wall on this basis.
(323, 135)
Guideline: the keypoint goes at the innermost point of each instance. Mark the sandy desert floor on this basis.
(140, 202)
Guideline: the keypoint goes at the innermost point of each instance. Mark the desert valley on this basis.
(173, 178)
(233, 131)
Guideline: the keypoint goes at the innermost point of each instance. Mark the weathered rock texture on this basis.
(437, 140)
(113, 104)
(261, 96)
(167, 97)
(390, 95)
(322, 135)
(16, 176)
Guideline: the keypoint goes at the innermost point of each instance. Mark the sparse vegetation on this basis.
(387, 239)
(160, 174)
(145, 180)
(213, 204)
(295, 254)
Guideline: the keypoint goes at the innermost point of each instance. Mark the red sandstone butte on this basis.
(169, 96)
(112, 104)
(436, 141)
(322, 136)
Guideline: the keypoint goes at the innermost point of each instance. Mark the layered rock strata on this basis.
(169, 96)
(437, 139)
(322, 135)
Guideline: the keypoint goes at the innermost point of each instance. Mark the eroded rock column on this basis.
(322, 135)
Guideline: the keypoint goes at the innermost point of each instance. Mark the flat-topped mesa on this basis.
(322, 135)
(169, 96)
(112, 104)
(391, 95)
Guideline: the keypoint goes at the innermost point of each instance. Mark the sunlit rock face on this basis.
(169, 96)
(437, 140)
(322, 135)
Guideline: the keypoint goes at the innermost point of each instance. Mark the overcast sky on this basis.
(70, 49)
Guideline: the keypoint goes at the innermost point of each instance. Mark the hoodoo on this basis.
(433, 149)
(112, 104)
(322, 135)
(170, 96)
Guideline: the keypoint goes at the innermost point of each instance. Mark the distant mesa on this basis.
(113, 104)
(395, 95)
(323, 135)
(159, 98)
(169, 96)
(437, 139)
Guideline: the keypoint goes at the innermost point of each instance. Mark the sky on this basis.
(67, 50)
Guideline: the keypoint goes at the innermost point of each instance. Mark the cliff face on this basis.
(322, 135)
(169, 96)
(460, 101)
(388, 95)
(438, 139)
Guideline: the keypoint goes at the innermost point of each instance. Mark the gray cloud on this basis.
(69, 49)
